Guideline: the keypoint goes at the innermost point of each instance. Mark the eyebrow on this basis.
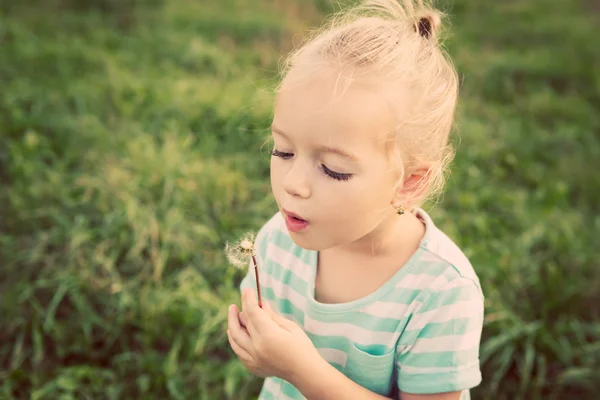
(326, 149)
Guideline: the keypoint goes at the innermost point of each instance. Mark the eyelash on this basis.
(338, 176)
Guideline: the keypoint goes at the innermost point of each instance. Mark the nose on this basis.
(297, 181)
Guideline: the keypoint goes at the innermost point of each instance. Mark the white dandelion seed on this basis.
(239, 255)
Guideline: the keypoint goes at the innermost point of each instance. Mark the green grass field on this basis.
(131, 149)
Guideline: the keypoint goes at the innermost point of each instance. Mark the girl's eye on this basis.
(285, 156)
(338, 176)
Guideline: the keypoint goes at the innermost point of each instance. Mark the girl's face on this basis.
(328, 168)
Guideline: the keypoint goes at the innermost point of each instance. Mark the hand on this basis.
(270, 344)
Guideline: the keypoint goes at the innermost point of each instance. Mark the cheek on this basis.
(346, 203)
(277, 173)
(364, 201)
(273, 171)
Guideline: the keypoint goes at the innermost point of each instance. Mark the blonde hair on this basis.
(394, 47)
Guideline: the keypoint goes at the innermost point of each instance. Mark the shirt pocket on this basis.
(371, 371)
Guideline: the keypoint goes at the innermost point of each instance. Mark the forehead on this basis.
(321, 112)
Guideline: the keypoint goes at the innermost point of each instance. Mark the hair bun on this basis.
(428, 25)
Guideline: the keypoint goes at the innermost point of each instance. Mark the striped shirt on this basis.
(419, 332)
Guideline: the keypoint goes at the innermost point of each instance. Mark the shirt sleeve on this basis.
(442, 352)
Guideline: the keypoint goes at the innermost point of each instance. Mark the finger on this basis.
(251, 329)
(239, 334)
(242, 318)
(233, 316)
(257, 319)
(241, 353)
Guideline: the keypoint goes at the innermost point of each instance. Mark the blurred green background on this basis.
(131, 149)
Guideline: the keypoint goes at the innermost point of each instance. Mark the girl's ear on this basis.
(413, 188)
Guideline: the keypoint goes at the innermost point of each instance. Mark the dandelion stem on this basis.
(257, 281)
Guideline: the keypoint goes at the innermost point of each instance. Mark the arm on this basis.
(323, 382)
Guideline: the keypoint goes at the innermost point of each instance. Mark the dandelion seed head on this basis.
(246, 245)
(240, 253)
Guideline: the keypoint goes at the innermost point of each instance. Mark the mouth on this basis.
(294, 222)
(293, 215)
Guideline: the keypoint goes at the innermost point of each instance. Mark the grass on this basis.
(124, 137)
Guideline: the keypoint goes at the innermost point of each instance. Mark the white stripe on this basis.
(387, 309)
(457, 283)
(414, 281)
(334, 355)
(279, 222)
(284, 292)
(460, 309)
(428, 256)
(421, 281)
(439, 282)
(352, 332)
(447, 343)
(290, 262)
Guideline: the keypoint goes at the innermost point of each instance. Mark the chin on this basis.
(307, 244)
(302, 242)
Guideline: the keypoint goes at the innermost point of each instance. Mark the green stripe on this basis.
(290, 390)
(337, 366)
(287, 277)
(284, 306)
(403, 296)
(266, 394)
(343, 344)
(329, 342)
(285, 242)
(434, 268)
(457, 326)
(451, 273)
(410, 336)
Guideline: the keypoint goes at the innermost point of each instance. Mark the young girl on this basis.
(365, 298)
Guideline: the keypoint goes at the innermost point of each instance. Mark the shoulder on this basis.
(442, 257)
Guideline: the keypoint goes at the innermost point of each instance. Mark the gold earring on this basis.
(400, 210)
